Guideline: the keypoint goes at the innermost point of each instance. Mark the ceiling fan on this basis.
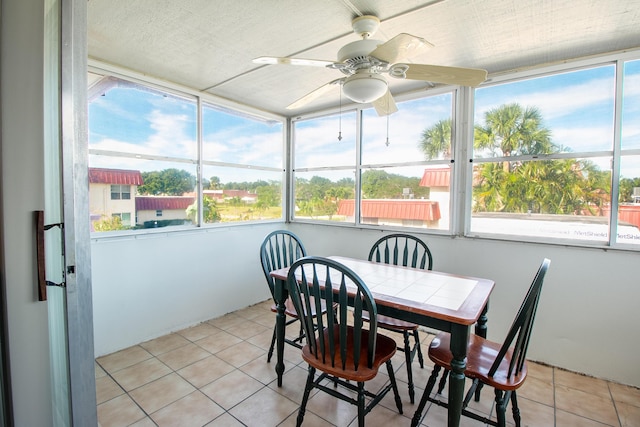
(364, 61)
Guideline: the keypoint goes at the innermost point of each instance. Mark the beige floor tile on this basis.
(582, 382)
(263, 340)
(332, 409)
(538, 390)
(99, 371)
(247, 329)
(199, 332)
(540, 371)
(227, 321)
(140, 374)
(161, 392)
(205, 371)
(232, 389)
(626, 394)
(107, 389)
(585, 404)
(266, 319)
(225, 420)
(567, 419)
(310, 420)
(293, 382)
(218, 342)
(253, 311)
(629, 414)
(383, 417)
(164, 344)
(121, 411)
(261, 370)
(533, 413)
(145, 422)
(195, 409)
(264, 408)
(183, 356)
(240, 354)
(123, 359)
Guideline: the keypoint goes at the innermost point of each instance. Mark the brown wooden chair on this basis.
(280, 249)
(501, 366)
(407, 251)
(344, 351)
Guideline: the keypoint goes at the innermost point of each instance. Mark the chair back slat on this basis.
(522, 326)
(324, 279)
(402, 249)
(279, 249)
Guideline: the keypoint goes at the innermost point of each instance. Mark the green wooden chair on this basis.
(343, 351)
(501, 366)
(280, 249)
(407, 251)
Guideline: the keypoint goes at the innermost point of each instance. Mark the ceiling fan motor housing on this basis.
(357, 53)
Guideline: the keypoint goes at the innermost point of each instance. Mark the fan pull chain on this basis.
(340, 118)
(387, 143)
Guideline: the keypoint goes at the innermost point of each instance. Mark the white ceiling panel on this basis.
(208, 45)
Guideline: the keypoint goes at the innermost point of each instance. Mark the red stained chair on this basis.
(501, 366)
(344, 352)
(407, 251)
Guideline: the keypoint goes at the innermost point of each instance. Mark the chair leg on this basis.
(417, 416)
(416, 337)
(501, 408)
(273, 343)
(407, 357)
(394, 386)
(305, 395)
(443, 381)
(515, 409)
(360, 404)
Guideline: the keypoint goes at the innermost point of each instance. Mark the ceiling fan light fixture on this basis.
(364, 87)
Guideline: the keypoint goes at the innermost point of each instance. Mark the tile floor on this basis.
(216, 374)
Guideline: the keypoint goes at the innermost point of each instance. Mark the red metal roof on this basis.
(158, 203)
(114, 176)
(414, 209)
(436, 177)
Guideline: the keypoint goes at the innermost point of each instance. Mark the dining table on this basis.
(442, 301)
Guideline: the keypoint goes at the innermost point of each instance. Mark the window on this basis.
(404, 176)
(544, 149)
(120, 192)
(144, 156)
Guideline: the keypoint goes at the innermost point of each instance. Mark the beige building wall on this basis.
(100, 203)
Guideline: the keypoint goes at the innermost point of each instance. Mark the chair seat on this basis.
(290, 310)
(481, 354)
(385, 349)
(390, 323)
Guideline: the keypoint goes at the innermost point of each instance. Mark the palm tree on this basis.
(436, 141)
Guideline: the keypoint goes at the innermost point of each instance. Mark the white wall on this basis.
(22, 179)
(149, 285)
(587, 319)
(588, 316)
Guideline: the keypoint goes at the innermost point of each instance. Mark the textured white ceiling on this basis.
(208, 45)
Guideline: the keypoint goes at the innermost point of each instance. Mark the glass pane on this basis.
(231, 138)
(406, 197)
(154, 185)
(566, 199)
(241, 194)
(568, 112)
(419, 130)
(325, 195)
(629, 208)
(631, 105)
(317, 143)
(130, 118)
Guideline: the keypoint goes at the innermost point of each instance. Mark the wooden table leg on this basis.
(280, 296)
(459, 340)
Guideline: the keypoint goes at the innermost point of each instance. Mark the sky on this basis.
(577, 107)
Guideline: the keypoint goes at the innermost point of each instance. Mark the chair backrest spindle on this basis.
(402, 249)
(279, 249)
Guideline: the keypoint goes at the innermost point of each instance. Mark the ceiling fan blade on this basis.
(317, 93)
(401, 48)
(385, 105)
(440, 74)
(273, 60)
